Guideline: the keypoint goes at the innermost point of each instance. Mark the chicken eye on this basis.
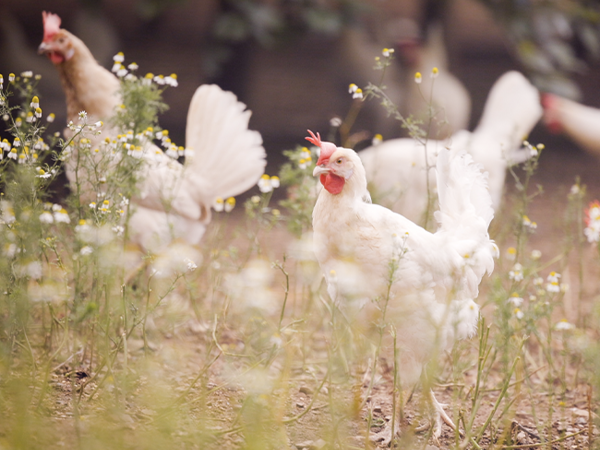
(339, 161)
(61, 40)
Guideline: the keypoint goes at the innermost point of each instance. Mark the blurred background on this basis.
(291, 61)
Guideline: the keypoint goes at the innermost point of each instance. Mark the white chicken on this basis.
(430, 280)
(174, 200)
(444, 92)
(581, 123)
(397, 169)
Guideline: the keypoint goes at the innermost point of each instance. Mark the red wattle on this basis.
(554, 127)
(332, 183)
(55, 57)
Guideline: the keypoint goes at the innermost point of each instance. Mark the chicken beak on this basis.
(320, 170)
(43, 48)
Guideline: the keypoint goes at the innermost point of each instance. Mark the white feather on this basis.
(396, 168)
(227, 160)
(226, 152)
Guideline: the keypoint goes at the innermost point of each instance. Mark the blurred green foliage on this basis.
(553, 39)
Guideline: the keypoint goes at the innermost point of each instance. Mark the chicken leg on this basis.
(439, 415)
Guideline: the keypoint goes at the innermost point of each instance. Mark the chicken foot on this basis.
(439, 415)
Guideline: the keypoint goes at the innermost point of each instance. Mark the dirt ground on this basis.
(560, 164)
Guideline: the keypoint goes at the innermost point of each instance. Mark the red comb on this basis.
(51, 25)
(316, 140)
(547, 100)
(551, 116)
(327, 148)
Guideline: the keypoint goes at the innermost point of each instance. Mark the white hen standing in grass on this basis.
(396, 169)
(581, 123)
(429, 279)
(174, 200)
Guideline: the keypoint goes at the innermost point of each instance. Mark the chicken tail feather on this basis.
(465, 214)
(514, 97)
(225, 154)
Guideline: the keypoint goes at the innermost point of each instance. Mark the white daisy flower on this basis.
(536, 254)
(218, 204)
(46, 217)
(147, 81)
(515, 300)
(122, 71)
(528, 224)
(563, 325)
(171, 80)
(264, 184)
(553, 284)
(229, 204)
(42, 173)
(335, 122)
(172, 152)
(592, 221)
(62, 216)
(516, 273)
(119, 230)
(190, 265)
(511, 253)
(358, 94)
(82, 227)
